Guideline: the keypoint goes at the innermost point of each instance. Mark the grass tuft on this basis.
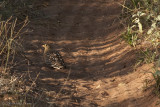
(10, 40)
(143, 30)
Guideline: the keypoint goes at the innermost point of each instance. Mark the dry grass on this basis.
(10, 40)
(15, 89)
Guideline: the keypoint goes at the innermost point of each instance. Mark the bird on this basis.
(53, 58)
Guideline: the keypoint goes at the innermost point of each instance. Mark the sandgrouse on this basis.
(53, 58)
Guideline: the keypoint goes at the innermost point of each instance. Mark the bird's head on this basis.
(46, 48)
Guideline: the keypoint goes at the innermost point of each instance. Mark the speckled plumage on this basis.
(53, 58)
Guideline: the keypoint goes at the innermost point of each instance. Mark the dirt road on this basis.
(100, 64)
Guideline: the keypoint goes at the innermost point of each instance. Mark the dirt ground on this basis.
(100, 66)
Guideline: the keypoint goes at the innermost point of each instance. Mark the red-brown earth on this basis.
(100, 65)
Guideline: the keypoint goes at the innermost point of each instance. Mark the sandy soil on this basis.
(100, 65)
